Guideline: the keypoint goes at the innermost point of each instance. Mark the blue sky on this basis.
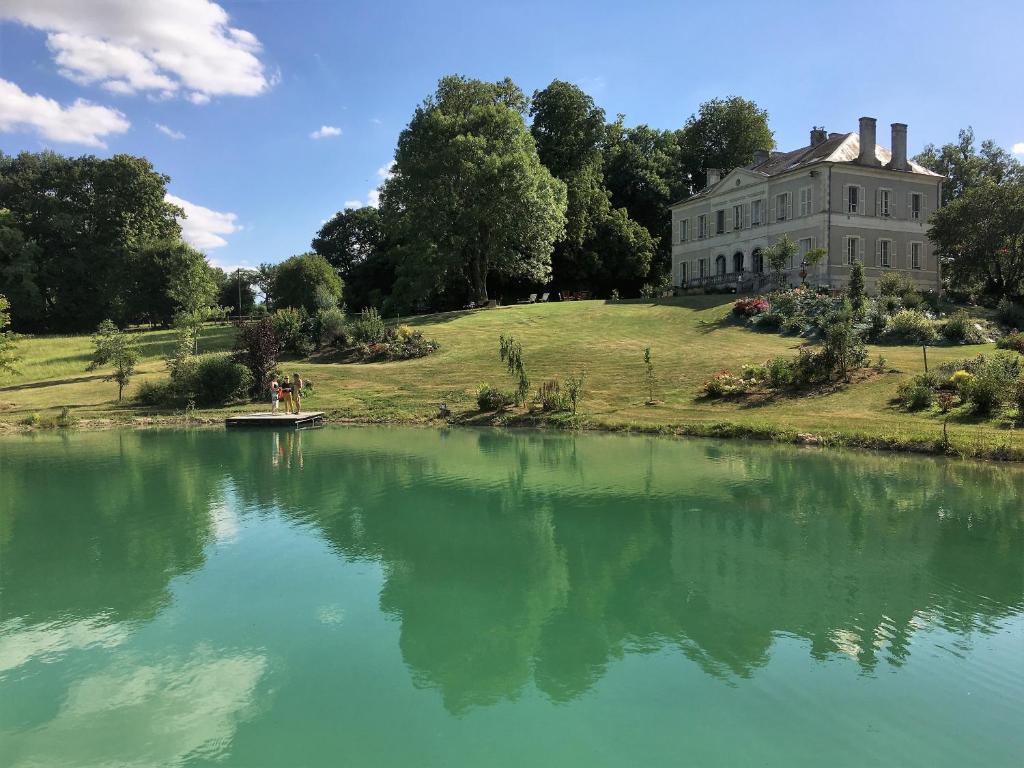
(241, 87)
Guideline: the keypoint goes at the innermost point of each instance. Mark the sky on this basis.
(271, 115)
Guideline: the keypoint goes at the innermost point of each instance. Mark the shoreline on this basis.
(722, 430)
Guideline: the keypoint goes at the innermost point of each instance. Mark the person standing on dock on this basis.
(275, 393)
(297, 392)
(286, 395)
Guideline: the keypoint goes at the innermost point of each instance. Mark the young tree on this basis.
(116, 348)
(511, 353)
(8, 352)
(814, 257)
(306, 281)
(193, 291)
(649, 375)
(980, 239)
(855, 291)
(780, 255)
(469, 197)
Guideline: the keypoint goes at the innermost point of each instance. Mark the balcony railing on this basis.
(741, 282)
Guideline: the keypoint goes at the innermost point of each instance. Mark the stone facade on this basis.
(856, 204)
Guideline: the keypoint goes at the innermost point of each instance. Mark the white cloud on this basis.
(1018, 148)
(80, 123)
(376, 120)
(176, 135)
(352, 204)
(385, 172)
(325, 131)
(373, 198)
(203, 227)
(161, 46)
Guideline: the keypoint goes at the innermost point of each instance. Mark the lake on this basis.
(372, 596)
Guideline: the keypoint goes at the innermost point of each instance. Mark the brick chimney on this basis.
(818, 135)
(713, 176)
(867, 142)
(899, 147)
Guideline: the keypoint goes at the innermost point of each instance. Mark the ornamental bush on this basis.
(916, 394)
(292, 329)
(1014, 341)
(960, 328)
(909, 326)
(368, 328)
(724, 384)
(490, 398)
(749, 307)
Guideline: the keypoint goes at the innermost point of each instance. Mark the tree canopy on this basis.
(724, 134)
(78, 222)
(306, 281)
(980, 239)
(965, 167)
(469, 197)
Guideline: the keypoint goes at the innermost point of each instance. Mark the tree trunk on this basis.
(478, 275)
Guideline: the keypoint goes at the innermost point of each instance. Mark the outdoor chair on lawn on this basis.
(544, 297)
(531, 300)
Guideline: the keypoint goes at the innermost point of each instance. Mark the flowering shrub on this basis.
(1013, 341)
(961, 380)
(749, 307)
(724, 384)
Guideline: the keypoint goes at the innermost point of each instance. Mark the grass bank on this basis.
(691, 339)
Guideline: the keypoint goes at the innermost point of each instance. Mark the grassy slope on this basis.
(690, 340)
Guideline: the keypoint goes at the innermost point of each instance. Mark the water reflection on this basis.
(510, 561)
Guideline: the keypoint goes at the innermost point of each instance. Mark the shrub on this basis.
(961, 382)
(330, 327)
(768, 321)
(889, 304)
(1010, 312)
(909, 325)
(794, 325)
(489, 398)
(724, 384)
(755, 373)
(220, 378)
(368, 328)
(959, 327)
(749, 307)
(1018, 398)
(552, 397)
(779, 372)
(915, 394)
(1014, 341)
(994, 383)
(912, 299)
(291, 327)
(844, 348)
(895, 284)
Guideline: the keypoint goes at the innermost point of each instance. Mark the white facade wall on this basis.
(814, 214)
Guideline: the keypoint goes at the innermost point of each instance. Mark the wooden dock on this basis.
(280, 419)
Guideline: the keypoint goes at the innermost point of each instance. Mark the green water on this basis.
(398, 597)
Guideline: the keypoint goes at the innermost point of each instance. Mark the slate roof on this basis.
(837, 148)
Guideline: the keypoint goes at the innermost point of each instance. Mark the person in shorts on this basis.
(275, 393)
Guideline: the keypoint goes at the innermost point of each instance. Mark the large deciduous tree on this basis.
(724, 134)
(469, 197)
(353, 242)
(306, 281)
(85, 218)
(980, 239)
(966, 168)
(642, 174)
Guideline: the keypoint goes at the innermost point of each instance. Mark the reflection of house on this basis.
(836, 193)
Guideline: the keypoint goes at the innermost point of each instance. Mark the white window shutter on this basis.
(846, 198)
(860, 249)
(862, 208)
(878, 252)
(878, 202)
(893, 205)
(910, 204)
(789, 206)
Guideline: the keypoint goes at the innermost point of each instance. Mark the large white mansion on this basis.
(842, 192)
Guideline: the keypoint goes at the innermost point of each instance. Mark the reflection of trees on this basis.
(516, 559)
(513, 557)
(97, 525)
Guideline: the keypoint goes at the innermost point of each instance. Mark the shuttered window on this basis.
(737, 217)
(915, 255)
(783, 206)
(720, 221)
(806, 201)
(755, 213)
(852, 249)
(883, 202)
(684, 227)
(883, 252)
(915, 205)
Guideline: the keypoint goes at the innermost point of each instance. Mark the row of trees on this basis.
(481, 202)
(83, 239)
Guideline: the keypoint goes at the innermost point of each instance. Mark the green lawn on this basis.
(690, 340)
